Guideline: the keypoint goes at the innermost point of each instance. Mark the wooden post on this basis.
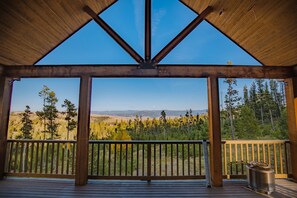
(214, 132)
(5, 99)
(291, 98)
(81, 173)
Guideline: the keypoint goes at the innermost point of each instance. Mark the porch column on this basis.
(81, 171)
(214, 132)
(291, 98)
(5, 99)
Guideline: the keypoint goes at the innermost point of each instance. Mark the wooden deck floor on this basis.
(27, 187)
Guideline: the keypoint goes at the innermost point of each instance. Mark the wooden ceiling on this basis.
(267, 29)
(29, 29)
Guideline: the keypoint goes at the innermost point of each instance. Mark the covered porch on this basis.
(17, 61)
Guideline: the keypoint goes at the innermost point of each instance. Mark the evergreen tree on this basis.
(51, 113)
(245, 95)
(231, 102)
(43, 94)
(164, 122)
(269, 105)
(253, 97)
(260, 95)
(71, 113)
(27, 124)
(247, 124)
(276, 96)
(163, 117)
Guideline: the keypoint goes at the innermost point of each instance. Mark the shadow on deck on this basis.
(29, 187)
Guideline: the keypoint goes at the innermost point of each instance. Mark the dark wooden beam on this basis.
(291, 98)
(1, 70)
(178, 71)
(172, 44)
(82, 152)
(114, 35)
(5, 100)
(147, 31)
(214, 132)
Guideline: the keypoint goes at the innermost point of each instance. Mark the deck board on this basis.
(32, 187)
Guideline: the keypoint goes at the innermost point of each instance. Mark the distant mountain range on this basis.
(148, 113)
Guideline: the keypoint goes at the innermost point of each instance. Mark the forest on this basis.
(259, 114)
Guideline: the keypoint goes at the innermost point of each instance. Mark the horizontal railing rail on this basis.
(237, 153)
(41, 158)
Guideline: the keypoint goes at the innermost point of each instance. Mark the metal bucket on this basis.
(260, 177)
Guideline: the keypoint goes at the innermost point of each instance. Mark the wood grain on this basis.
(291, 99)
(5, 100)
(267, 31)
(214, 132)
(81, 173)
(30, 29)
(170, 71)
(25, 187)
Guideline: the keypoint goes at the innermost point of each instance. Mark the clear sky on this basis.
(91, 45)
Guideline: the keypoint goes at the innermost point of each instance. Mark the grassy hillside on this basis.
(15, 124)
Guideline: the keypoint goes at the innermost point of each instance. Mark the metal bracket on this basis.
(147, 64)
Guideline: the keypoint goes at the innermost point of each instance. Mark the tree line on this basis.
(259, 114)
(185, 127)
(48, 116)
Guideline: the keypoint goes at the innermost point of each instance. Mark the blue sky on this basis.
(91, 45)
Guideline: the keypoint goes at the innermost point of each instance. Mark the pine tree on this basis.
(231, 102)
(276, 96)
(43, 94)
(27, 124)
(163, 117)
(253, 97)
(260, 95)
(164, 122)
(247, 123)
(245, 95)
(269, 105)
(49, 112)
(71, 113)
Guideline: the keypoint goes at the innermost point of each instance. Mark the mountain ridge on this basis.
(148, 113)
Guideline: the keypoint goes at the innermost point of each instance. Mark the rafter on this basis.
(147, 30)
(114, 35)
(172, 44)
(180, 71)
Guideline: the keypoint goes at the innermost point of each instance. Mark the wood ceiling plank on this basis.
(30, 29)
(267, 30)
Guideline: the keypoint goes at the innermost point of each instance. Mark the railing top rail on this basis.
(254, 141)
(147, 141)
(41, 141)
(155, 141)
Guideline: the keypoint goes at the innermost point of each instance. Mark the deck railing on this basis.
(42, 158)
(146, 159)
(236, 153)
(142, 159)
